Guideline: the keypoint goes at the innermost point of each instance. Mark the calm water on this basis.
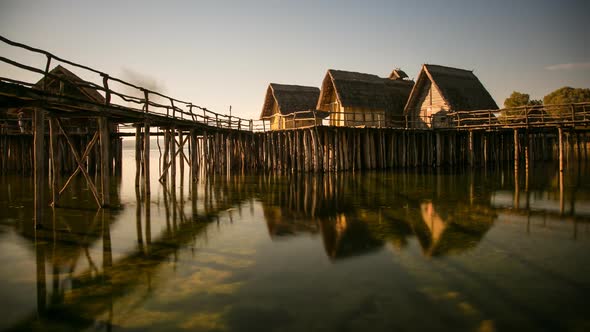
(347, 252)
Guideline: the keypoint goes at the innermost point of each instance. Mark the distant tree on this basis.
(517, 99)
(567, 95)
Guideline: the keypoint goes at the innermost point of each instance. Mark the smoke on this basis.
(141, 80)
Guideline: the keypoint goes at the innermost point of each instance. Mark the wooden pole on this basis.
(54, 162)
(105, 139)
(515, 149)
(172, 142)
(471, 152)
(40, 164)
(194, 156)
(146, 161)
(137, 154)
(560, 148)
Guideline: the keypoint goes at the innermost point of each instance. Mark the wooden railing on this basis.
(144, 100)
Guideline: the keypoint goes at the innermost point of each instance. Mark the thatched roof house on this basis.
(67, 85)
(290, 106)
(62, 82)
(440, 90)
(357, 99)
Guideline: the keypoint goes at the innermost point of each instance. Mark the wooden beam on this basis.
(86, 153)
(80, 165)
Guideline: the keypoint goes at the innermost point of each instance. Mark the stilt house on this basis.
(63, 82)
(440, 91)
(291, 106)
(357, 99)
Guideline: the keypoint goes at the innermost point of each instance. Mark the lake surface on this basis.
(374, 251)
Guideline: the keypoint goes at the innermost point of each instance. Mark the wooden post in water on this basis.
(40, 164)
(55, 169)
(105, 140)
(471, 151)
(516, 149)
(146, 160)
(172, 142)
(137, 154)
(194, 156)
(560, 148)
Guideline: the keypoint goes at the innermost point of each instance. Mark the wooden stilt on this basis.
(146, 161)
(516, 148)
(55, 169)
(138, 145)
(560, 148)
(105, 141)
(40, 164)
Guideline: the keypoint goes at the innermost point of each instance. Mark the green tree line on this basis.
(565, 95)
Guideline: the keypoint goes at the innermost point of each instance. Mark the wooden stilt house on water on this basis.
(291, 106)
(357, 99)
(63, 82)
(442, 91)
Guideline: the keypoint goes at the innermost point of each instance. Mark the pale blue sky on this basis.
(221, 53)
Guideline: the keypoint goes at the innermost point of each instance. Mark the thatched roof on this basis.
(364, 91)
(289, 99)
(398, 74)
(460, 88)
(71, 89)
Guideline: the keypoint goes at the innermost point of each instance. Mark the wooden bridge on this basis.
(210, 142)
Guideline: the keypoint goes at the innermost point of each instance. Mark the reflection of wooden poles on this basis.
(138, 219)
(148, 224)
(561, 196)
(41, 283)
(40, 164)
(107, 253)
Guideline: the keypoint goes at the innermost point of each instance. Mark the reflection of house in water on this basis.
(347, 236)
(440, 90)
(440, 234)
(353, 225)
(282, 222)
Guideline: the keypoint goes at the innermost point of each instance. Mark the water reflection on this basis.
(90, 267)
(383, 212)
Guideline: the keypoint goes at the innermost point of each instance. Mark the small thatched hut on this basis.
(357, 99)
(67, 85)
(63, 82)
(440, 90)
(290, 106)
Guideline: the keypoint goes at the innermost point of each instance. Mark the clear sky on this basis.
(222, 53)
